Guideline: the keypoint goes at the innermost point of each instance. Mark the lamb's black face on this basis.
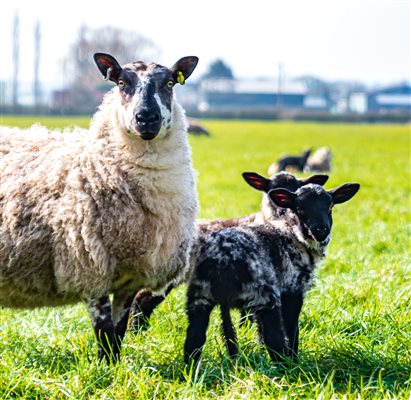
(313, 206)
(145, 93)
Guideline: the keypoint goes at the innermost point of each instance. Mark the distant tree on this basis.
(82, 74)
(316, 86)
(219, 69)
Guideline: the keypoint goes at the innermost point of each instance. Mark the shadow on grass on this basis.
(353, 369)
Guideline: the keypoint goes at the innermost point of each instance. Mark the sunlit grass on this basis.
(356, 321)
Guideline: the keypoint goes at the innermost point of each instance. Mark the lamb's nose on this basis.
(321, 232)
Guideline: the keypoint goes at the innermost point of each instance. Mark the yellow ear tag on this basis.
(180, 78)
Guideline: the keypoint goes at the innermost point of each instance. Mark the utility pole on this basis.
(36, 83)
(16, 51)
(280, 83)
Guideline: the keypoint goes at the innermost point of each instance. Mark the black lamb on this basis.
(266, 269)
(145, 302)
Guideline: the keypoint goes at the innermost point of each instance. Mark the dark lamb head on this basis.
(145, 92)
(312, 205)
(281, 180)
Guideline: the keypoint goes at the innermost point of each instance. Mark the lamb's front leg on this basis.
(291, 308)
(271, 332)
(198, 318)
(99, 310)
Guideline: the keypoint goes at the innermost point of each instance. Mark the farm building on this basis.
(239, 95)
(391, 99)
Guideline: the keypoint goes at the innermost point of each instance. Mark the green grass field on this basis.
(356, 321)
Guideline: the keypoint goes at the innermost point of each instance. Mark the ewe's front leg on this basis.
(100, 315)
(121, 310)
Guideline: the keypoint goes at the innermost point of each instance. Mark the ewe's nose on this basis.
(147, 118)
(321, 232)
(148, 124)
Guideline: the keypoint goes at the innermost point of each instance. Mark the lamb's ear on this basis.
(282, 197)
(108, 66)
(256, 181)
(316, 179)
(343, 193)
(183, 68)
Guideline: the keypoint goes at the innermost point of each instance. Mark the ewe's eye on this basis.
(121, 84)
(170, 84)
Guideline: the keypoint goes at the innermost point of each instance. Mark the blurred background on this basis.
(318, 60)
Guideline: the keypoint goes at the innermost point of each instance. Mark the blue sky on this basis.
(366, 40)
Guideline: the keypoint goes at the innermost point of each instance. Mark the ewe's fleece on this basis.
(82, 211)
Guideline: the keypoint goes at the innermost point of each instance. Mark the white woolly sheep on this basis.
(266, 269)
(106, 210)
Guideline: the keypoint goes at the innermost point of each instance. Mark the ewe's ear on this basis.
(256, 181)
(343, 193)
(316, 179)
(282, 197)
(183, 68)
(108, 66)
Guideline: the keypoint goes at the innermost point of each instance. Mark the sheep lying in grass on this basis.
(319, 161)
(265, 268)
(195, 128)
(109, 210)
(289, 162)
(145, 302)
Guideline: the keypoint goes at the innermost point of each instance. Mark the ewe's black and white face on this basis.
(313, 206)
(145, 92)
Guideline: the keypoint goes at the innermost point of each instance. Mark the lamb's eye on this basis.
(121, 84)
(170, 84)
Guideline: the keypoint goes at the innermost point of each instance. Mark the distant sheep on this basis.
(290, 163)
(195, 128)
(320, 161)
(145, 302)
(266, 269)
(108, 210)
